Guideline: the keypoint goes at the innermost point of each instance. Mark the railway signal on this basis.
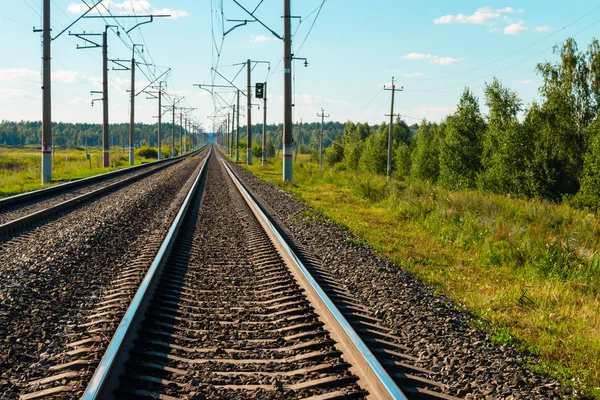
(260, 90)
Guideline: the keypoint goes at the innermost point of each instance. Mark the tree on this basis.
(335, 154)
(401, 161)
(374, 156)
(460, 153)
(425, 155)
(353, 143)
(507, 147)
(590, 180)
(401, 132)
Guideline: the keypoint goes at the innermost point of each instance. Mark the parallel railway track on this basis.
(28, 208)
(231, 308)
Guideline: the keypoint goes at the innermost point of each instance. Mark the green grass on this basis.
(20, 168)
(528, 270)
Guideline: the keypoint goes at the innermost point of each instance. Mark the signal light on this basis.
(260, 90)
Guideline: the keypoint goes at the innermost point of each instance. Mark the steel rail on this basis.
(21, 222)
(106, 376)
(371, 372)
(57, 189)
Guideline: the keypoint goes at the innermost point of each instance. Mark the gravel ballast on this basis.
(49, 273)
(437, 332)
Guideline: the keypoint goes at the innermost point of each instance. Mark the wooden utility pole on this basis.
(46, 97)
(391, 130)
(323, 116)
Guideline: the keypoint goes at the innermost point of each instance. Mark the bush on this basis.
(256, 150)
(270, 150)
(146, 152)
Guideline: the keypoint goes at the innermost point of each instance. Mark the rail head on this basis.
(373, 375)
(105, 378)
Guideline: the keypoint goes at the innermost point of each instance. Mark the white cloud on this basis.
(79, 101)
(174, 14)
(264, 38)
(127, 7)
(24, 75)
(432, 59)
(19, 75)
(311, 99)
(66, 76)
(525, 81)
(10, 95)
(417, 56)
(482, 16)
(542, 28)
(515, 29)
(413, 75)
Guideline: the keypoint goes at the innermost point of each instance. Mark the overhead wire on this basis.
(515, 52)
(312, 25)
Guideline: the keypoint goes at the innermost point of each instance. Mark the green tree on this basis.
(557, 158)
(460, 152)
(353, 144)
(590, 180)
(507, 146)
(425, 154)
(401, 161)
(335, 154)
(401, 132)
(374, 156)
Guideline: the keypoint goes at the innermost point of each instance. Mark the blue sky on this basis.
(434, 48)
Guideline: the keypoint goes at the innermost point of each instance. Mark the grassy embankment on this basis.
(529, 271)
(20, 168)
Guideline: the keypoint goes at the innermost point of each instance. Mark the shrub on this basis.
(146, 152)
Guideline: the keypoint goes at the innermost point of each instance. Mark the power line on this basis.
(516, 52)
(439, 90)
(313, 25)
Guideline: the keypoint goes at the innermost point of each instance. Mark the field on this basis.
(20, 168)
(529, 271)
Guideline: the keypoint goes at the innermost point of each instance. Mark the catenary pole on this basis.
(132, 112)
(46, 97)
(287, 92)
(249, 113)
(264, 135)
(229, 134)
(187, 134)
(173, 133)
(105, 126)
(237, 133)
(159, 120)
(181, 133)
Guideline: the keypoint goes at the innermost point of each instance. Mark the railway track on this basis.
(230, 308)
(25, 209)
